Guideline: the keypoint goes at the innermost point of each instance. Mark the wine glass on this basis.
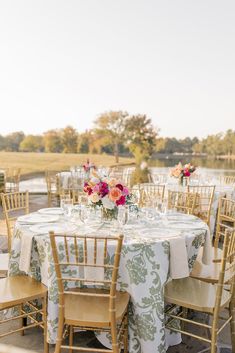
(66, 203)
(84, 214)
(123, 215)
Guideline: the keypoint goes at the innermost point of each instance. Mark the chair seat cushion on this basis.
(19, 289)
(194, 294)
(93, 311)
(216, 254)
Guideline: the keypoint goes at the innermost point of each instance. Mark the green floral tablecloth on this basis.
(144, 269)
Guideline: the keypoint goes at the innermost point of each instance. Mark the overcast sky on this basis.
(65, 61)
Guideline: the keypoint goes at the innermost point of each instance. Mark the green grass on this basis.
(35, 163)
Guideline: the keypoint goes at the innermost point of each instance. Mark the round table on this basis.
(153, 251)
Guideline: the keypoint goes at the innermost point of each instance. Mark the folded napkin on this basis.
(178, 258)
(207, 248)
(25, 252)
(94, 273)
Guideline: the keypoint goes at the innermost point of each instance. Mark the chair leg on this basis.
(70, 338)
(46, 345)
(185, 314)
(232, 323)
(59, 337)
(214, 341)
(23, 321)
(125, 338)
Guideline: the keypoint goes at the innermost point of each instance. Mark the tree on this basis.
(229, 142)
(69, 139)
(111, 125)
(2, 143)
(14, 140)
(32, 143)
(53, 141)
(141, 137)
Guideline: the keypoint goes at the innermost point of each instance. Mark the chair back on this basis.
(12, 176)
(148, 193)
(88, 262)
(205, 196)
(225, 218)
(13, 205)
(181, 201)
(227, 180)
(227, 269)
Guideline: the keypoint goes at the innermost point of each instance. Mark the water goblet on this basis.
(123, 215)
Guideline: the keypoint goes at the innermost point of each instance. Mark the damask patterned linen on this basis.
(144, 270)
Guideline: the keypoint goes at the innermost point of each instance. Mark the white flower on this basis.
(107, 203)
(94, 197)
(95, 180)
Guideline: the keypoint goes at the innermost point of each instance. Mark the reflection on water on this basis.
(226, 167)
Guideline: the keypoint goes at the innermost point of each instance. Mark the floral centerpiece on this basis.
(88, 167)
(181, 172)
(108, 193)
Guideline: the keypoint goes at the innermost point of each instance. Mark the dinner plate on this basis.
(34, 218)
(51, 211)
(56, 228)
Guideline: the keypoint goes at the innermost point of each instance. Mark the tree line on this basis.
(117, 132)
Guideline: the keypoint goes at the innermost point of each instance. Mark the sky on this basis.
(64, 62)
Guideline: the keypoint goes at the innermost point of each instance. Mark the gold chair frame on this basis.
(93, 299)
(211, 299)
(182, 201)
(205, 197)
(12, 203)
(20, 292)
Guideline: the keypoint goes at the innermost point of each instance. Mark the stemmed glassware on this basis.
(123, 215)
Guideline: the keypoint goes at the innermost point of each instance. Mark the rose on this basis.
(186, 173)
(125, 191)
(87, 189)
(115, 194)
(94, 197)
(119, 186)
(103, 189)
(121, 201)
(107, 203)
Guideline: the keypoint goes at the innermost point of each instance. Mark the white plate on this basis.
(57, 228)
(52, 211)
(34, 218)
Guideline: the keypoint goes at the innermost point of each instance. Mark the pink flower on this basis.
(125, 191)
(119, 186)
(186, 173)
(121, 201)
(115, 194)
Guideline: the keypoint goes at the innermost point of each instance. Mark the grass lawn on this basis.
(35, 163)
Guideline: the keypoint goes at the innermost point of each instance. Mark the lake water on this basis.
(210, 166)
(204, 166)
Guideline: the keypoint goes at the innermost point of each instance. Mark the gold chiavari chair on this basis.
(181, 201)
(13, 205)
(93, 303)
(205, 196)
(147, 194)
(190, 293)
(20, 292)
(225, 219)
(227, 180)
(12, 179)
(52, 188)
(2, 182)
